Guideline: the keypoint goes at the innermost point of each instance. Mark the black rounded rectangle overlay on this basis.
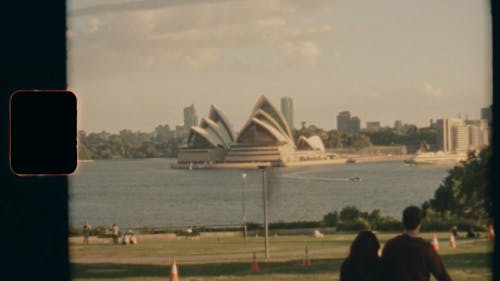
(43, 132)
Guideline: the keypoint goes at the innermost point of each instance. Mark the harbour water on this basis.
(136, 193)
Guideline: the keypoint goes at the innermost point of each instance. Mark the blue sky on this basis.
(136, 64)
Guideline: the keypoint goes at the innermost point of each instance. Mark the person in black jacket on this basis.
(363, 262)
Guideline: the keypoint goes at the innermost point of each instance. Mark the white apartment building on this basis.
(458, 136)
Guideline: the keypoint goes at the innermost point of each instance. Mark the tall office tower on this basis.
(474, 136)
(486, 113)
(398, 125)
(355, 124)
(190, 117)
(484, 133)
(344, 121)
(287, 110)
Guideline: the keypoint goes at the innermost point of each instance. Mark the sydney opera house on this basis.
(265, 137)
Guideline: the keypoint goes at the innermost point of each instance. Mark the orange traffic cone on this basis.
(453, 244)
(306, 261)
(174, 276)
(491, 232)
(255, 265)
(435, 243)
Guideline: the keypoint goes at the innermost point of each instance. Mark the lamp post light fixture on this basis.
(243, 177)
(264, 197)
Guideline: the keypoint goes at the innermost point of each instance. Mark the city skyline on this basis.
(135, 65)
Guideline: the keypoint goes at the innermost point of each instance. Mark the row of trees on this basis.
(162, 142)
(165, 142)
(465, 192)
(362, 139)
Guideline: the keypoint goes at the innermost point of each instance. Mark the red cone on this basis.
(435, 243)
(491, 232)
(453, 244)
(306, 261)
(174, 276)
(255, 265)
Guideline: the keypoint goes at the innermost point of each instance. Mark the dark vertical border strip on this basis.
(495, 176)
(33, 210)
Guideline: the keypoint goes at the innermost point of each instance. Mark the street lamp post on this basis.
(243, 177)
(264, 196)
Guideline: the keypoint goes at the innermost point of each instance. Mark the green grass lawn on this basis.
(230, 258)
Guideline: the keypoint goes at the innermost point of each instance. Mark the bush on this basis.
(75, 231)
(100, 230)
(462, 224)
(388, 224)
(354, 225)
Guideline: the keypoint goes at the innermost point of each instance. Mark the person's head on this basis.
(412, 218)
(365, 245)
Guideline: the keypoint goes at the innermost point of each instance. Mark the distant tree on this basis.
(349, 213)
(331, 218)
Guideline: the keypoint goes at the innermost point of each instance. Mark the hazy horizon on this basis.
(137, 64)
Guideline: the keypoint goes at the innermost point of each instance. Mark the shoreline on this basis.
(346, 159)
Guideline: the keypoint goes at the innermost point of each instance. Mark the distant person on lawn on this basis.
(408, 257)
(116, 233)
(363, 262)
(86, 232)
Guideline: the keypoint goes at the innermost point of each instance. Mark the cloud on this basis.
(197, 35)
(432, 91)
(307, 51)
(201, 58)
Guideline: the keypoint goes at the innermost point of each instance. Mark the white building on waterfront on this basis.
(456, 135)
(265, 137)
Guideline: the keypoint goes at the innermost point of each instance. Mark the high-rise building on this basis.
(456, 135)
(355, 124)
(446, 134)
(398, 125)
(287, 110)
(190, 117)
(346, 123)
(486, 113)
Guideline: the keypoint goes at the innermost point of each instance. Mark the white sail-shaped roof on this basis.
(198, 132)
(217, 131)
(264, 116)
(247, 130)
(221, 119)
(265, 105)
(312, 143)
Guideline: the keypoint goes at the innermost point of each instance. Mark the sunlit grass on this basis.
(230, 258)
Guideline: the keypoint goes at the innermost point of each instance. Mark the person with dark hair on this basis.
(408, 257)
(115, 231)
(86, 232)
(363, 262)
